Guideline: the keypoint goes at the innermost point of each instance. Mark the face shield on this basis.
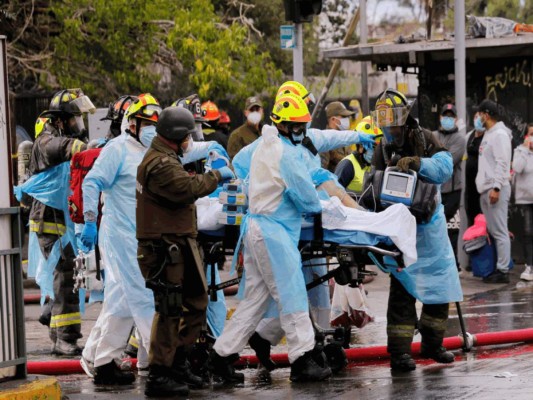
(82, 105)
(76, 127)
(388, 116)
(198, 134)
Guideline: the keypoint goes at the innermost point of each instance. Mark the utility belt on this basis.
(167, 296)
(423, 202)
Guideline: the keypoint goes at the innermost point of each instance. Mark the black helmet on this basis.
(193, 104)
(71, 101)
(116, 112)
(175, 123)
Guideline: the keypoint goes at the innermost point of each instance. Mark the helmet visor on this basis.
(150, 110)
(309, 99)
(388, 116)
(82, 105)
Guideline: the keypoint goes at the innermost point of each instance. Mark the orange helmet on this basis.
(211, 111)
(224, 118)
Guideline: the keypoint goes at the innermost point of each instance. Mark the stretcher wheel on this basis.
(336, 357)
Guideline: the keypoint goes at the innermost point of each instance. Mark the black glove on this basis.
(407, 163)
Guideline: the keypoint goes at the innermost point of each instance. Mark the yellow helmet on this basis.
(392, 109)
(366, 125)
(145, 107)
(71, 101)
(39, 125)
(298, 89)
(290, 108)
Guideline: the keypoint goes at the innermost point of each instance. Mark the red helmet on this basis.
(211, 111)
(224, 118)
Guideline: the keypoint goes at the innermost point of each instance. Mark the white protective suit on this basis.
(280, 190)
(126, 299)
(323, 140)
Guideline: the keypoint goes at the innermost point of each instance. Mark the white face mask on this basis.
(188, 148)
(254, 117)
(344, 123)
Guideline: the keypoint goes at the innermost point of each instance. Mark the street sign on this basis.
(288, 39)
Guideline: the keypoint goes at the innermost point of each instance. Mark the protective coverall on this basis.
(49, 223)
(433, 279)
(323, 140)
(126, 299)
(280, 190)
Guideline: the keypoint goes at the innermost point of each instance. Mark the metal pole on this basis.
(298, 54)
(364, 65)
(460, 103)
(460, 60)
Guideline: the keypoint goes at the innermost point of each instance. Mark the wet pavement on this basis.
(504, 371)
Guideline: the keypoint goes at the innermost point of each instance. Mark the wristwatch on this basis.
(496, 189)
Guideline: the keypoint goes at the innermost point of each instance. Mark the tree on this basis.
(168, 47)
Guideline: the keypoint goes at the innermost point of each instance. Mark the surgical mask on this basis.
(254, 117)
(368, 155)
(308, 125)
(344, 123)
(146, 135)
(478, 124)
(297, 138)
(447, 123)
(199, 134)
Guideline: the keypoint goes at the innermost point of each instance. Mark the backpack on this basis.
(80, 166)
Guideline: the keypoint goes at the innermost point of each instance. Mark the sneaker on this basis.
(88, 367)
(402, 362)
(497, 277)
(64, 348)
(439, 354)
(306, 369)
(527, 275)
(110, 374)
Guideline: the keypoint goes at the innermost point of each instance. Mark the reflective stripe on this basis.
(134, 342)
(76, 146)
(437, 324)
(400, 331)
(356, 184)
(65, 320)
(47, 227)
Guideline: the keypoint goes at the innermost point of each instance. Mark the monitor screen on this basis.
(397, 183)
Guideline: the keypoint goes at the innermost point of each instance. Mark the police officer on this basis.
(409, 147)
(168, 253)
(63, 135)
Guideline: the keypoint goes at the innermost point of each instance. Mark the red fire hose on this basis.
(365, 354)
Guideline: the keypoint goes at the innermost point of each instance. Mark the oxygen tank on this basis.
(23, 168)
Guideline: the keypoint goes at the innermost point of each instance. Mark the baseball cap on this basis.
(489, 107)
(449, 108)
(251, 102)
(337, 108)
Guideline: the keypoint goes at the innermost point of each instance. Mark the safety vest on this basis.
(356, 185)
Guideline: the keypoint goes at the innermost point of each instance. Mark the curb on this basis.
(40, 388)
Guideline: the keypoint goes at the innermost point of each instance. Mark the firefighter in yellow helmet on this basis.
(60, 133)
(352, 168)
(280, 190)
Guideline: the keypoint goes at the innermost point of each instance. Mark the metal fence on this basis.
(12, 333)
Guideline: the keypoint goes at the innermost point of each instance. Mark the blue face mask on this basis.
(478, 124)
(146, 135)
(447, 123)
(308, 125)
(368, 155)
(298, 138)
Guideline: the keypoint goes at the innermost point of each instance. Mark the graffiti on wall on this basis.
(519, 73)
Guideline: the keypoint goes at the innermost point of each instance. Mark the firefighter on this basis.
(433, 279)
(168, 253)
(62, 136)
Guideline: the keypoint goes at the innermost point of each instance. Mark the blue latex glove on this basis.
(226, 173)
(321, 175)
(367, 140)
(88, 236)
(218, 148)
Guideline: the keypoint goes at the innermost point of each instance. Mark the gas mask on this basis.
(146, 135)
(75, 127)
(394, 135)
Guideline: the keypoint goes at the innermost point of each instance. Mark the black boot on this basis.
(181, 369)
(162, 383)
(438, 354)
(110, 374)
(402, 362)
(262, 351)
(306, 369)
(223, 370)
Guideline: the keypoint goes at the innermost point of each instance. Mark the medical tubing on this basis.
(363, 354)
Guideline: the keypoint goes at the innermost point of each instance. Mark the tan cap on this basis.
(337, 108)
(252, 101)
